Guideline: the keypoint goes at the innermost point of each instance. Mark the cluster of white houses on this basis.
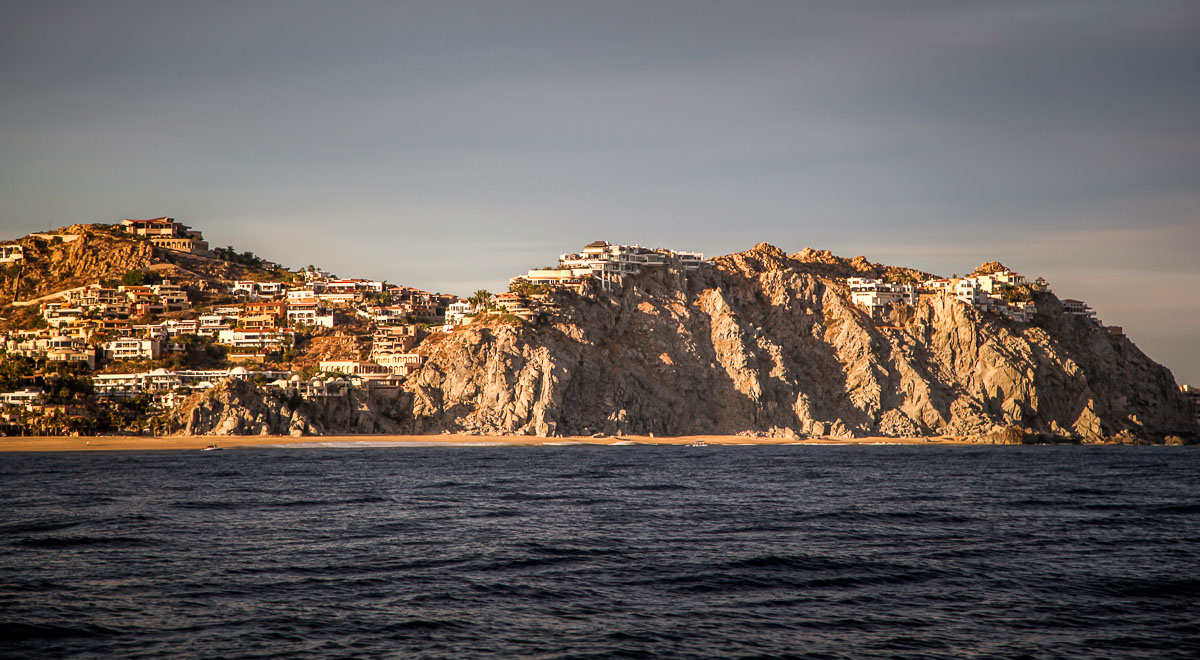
(96, 301)
(119, 386)
(606, 263)
(45, 345)
(168, 388)
(984, 292)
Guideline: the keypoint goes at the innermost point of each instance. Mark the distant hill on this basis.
(84, 254)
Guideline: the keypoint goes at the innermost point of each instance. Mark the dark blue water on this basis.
(581, 552)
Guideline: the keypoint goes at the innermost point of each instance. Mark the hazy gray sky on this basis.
(451, 145)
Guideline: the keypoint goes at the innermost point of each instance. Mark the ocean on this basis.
(603, 552)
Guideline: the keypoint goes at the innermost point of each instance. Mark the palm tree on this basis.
(480, 298)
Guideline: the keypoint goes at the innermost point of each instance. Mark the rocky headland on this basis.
(765, 343)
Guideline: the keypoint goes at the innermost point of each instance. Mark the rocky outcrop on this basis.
(236, 407)
(70, 257)
(760, 342)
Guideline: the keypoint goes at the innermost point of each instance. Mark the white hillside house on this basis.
(875, 295)
(11, 254)
(457, 311)
(608, 263)
(1078, 308)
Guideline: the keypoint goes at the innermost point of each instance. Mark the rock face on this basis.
(764, 343)
(235, 407)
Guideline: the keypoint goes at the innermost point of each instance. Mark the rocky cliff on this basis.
(235, 407)
(766, 343)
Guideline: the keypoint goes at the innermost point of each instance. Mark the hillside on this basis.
(85, 254)
(70, 257)
(765, 343)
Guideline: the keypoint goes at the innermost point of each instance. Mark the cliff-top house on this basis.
(168, 234)
(606, 263)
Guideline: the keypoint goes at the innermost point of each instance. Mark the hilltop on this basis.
(108, 327)
(78, 255)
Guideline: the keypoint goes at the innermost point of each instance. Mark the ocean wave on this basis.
(62, 542)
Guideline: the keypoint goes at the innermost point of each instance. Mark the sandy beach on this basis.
(134, 443)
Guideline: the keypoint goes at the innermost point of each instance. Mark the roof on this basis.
(597, 244)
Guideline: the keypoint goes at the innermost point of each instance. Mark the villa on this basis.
(308, 311)
(608, 264)
(876, 295)
(401, 364)
(457, 311)
(261, 338)
(170, 235)
(10, 254)
(1078, 308)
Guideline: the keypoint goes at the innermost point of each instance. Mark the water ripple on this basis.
(581, 552)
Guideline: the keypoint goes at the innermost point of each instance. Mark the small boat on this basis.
(699, 443)
(212, 448)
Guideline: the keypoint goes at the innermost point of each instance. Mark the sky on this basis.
(451, 145)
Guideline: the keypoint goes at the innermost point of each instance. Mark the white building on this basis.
(255, 338)
(874, 295)
(301, 294)
(10, 254)
(456, 311)
(339, 298)
(352, 367)
(354, 285)
(1078, 308)
(176, 327)
(211, 324)
(58, 313)
(26, 398)
(133, 348)
(52, 348)
(152, 330)
(308, 312)
(171, 295)
(253, 290)
(401, 364)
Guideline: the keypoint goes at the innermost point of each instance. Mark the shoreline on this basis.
(191, 443)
